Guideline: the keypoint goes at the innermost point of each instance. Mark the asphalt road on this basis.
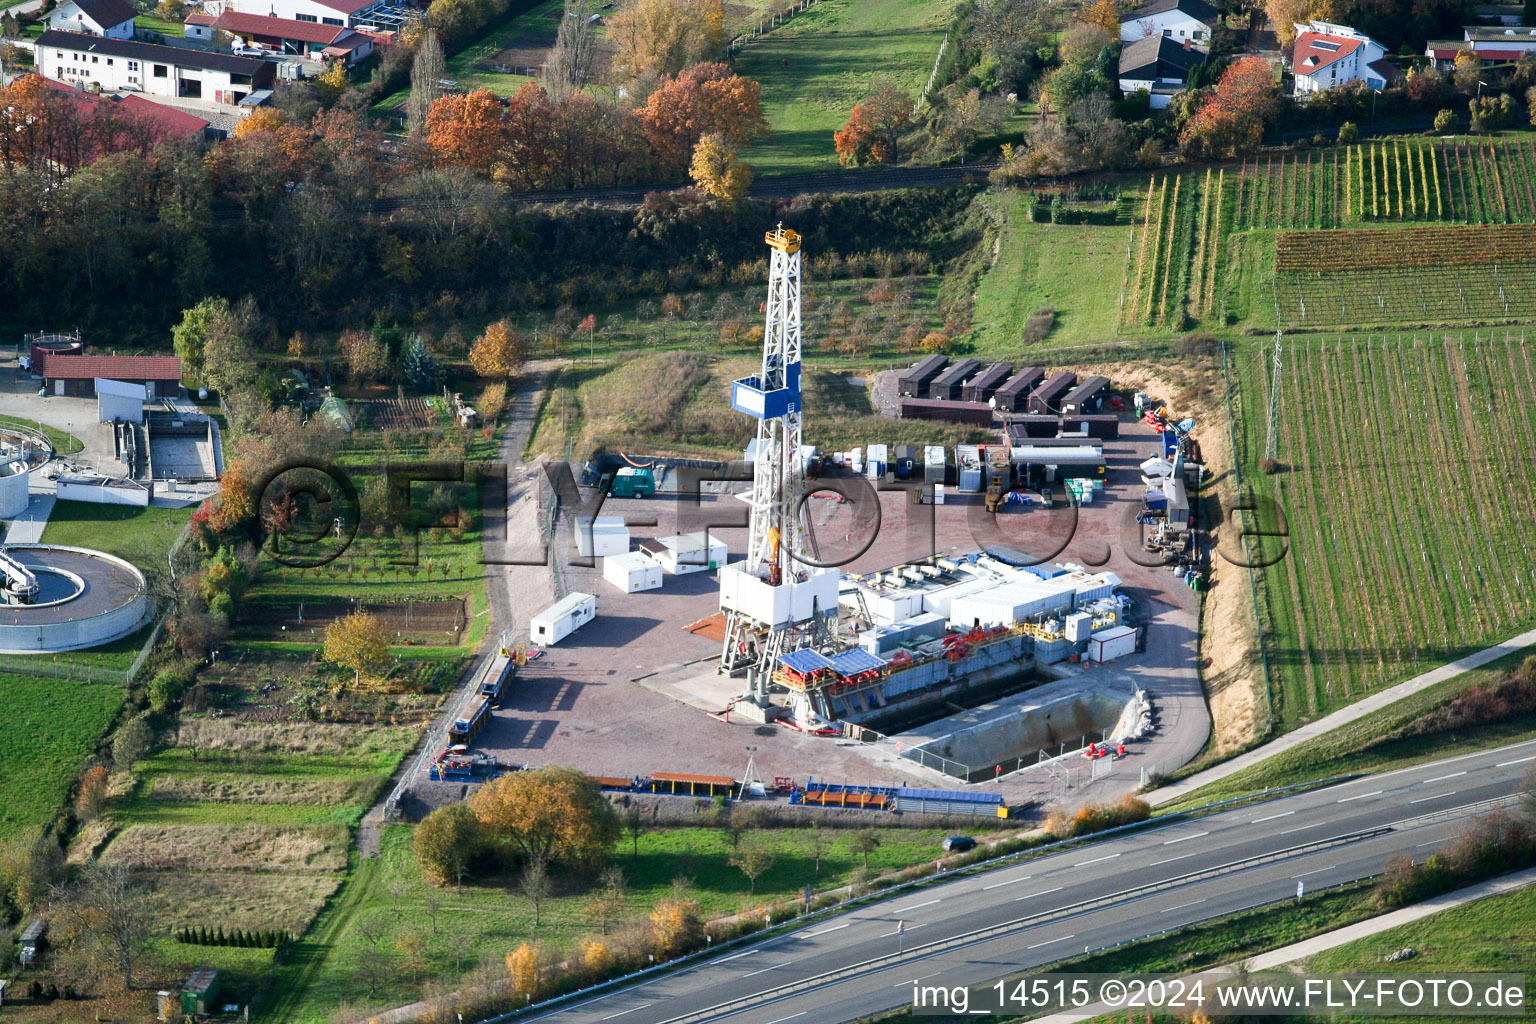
(980, 928)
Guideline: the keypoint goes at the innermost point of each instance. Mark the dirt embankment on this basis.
(1229, 651)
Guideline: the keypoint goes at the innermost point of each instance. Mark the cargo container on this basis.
(562, 618)
(976, 413)
(632, 571)
(633, 482)
(876, 459)
(1013, 392)
(1047, 397)
(904, 461)
(687, 552)
(948, 385)
(1088, 397)
(1105, 425)
(915, 379)
(984, 385)
(600, 537)
(1111, 643)
(933, 464)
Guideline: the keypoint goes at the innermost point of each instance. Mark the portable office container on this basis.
(1047, 397)
(915, 380)
(562, 618)
(632, 571)
(984, 385)
(1012, 394)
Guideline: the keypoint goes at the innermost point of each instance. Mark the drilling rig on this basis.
(773, 601)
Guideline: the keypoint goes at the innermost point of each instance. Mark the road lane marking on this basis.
(999, 885)
(1521, 760)
(1361, 796)
(1042, 892)
(1096, 860)
(1181, 839)
(1047, 942)
(1314, 871)
(823, 931)
(792, 1016)
(1170, 860)
(632, 1009)
(1181, 906)
(1271, 817)
(1442, 778)
(1301, 828)
(765, 970)
(915, 906)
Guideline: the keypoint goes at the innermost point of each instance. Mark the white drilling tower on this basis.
(773, 601)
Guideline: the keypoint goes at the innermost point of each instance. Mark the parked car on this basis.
(959, 844)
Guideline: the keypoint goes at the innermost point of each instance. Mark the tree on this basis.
(445, 843)
(1231, 119)
(468, 131)
(716, 170)
(569, 65)
(1348, 133)
(865, 842)
(358, 641)
(497, 352)
(103, 919)
(364, 354)
(428, 69)
(874, 129)
(553, 814)
(534, 884)
(523, 971)
(705, 99)
(754, 860)
(663, 37)
(132, 742)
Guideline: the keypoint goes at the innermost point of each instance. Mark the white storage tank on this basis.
(562, 618)
(1111, 643)
(632, 571)
(600, 537)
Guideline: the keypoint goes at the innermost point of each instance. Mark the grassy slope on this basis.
(489, 918)
(48, 727)
(817, 66)
(1075, 269)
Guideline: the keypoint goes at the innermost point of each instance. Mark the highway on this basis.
(1032, 912)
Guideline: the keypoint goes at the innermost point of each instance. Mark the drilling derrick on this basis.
(774, 603)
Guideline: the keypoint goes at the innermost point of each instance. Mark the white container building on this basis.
(562, 618)
(600, 537)
(632, 571)
(1111, 643)
(687, 552)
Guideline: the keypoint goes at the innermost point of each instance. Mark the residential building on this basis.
(1179, 20)
(338, 13)
(295, 38)
(110, 18)
(1327, 56)
(171, 72)
(1159, 65)
(1493, 44)
(75, 376)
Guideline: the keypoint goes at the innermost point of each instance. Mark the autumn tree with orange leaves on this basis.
(1231, 119)
(706, 99)
(873, 132)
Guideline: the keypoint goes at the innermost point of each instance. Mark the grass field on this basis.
(48, 728)
(1382, 579)
(486, 919)
(817, 66)
(1075, 269)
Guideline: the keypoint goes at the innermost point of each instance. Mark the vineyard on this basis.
(1177, 251)
(1389, 448)
(1430, 275)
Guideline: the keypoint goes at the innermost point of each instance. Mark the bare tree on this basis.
(103, 920)
(569, 66)
(427, 72)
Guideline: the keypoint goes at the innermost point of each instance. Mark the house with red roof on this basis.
(1327, 56)
(76, 376)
